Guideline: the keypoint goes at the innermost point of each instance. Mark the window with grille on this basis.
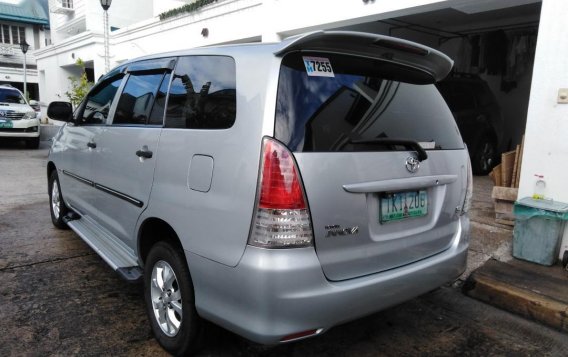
(22, 31)
(5, 34)
(67, 4)
(15, 39)
(12, 34)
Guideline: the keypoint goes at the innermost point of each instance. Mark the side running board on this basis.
(112, 250)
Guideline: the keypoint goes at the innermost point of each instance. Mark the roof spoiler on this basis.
(386, 48)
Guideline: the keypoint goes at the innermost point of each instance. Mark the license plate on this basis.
(396, 206)
(6, 123)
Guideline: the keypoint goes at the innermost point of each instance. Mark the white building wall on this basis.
(88, 16)
(121, 13)
(79, 35)
(290, 17)
(161, 6)
(69, 24)
(250, 20)
(546, 144)
(57, 63)
(226, 21)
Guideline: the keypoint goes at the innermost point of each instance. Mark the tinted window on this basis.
(157, 115)
(11, 96)
(202, 94)
(99, 101)
(137, 98)
(364, 100)
(458, 97)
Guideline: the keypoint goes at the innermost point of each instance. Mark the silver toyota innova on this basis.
(276, 190)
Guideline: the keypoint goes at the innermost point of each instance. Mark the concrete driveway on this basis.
(57, 297)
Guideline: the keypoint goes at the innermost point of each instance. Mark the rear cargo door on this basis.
(380, 157)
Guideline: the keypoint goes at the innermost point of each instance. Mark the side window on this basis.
(137, 98)
(203, 93)
(99, 101)
(157, 114)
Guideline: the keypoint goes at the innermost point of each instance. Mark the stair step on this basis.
(533, 291)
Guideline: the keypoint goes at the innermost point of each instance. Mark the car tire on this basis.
(484, 157)
(57, 207)
(170, 300)
(32, 143)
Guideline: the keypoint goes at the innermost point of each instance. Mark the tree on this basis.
(79, 85)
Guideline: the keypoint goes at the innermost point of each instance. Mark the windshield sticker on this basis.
(318, 67)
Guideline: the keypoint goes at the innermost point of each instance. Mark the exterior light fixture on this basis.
(105, 5)
(24, 46)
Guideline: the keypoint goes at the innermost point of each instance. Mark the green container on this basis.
(539, 224)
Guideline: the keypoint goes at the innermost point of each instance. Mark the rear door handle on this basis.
(144, 153)
(92, 144)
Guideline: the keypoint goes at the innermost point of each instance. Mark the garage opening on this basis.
(489, 87)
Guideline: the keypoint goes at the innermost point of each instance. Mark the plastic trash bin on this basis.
(539, 224)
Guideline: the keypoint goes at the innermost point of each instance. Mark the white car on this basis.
(17, 118)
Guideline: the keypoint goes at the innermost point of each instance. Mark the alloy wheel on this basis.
(55, 200)
(166, 298)
(486, 157)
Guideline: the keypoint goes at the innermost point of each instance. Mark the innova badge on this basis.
(336, 230)
(412, 164)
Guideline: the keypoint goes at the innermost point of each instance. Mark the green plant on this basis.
(79, 85)
(194, 6)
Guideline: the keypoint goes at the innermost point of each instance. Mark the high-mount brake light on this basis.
(282, 218)
(404, 47)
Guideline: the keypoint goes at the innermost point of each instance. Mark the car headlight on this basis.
(30, 115)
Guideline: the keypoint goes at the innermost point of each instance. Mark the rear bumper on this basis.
(274, 293)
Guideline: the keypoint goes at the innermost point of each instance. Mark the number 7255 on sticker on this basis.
(318, 67)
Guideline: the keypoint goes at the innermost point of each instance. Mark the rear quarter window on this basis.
(202, 93)
(364, 99)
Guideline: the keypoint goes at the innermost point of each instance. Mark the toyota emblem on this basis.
(412, 164)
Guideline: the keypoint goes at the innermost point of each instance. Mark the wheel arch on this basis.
(152, 231)
(50, 168)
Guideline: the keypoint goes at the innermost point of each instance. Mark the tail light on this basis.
(281, 218)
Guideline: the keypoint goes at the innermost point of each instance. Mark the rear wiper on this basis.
(422, 155)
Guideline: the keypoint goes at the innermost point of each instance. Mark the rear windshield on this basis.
(347, 100)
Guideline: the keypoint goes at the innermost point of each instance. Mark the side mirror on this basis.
(60, 111)
(34, 102)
